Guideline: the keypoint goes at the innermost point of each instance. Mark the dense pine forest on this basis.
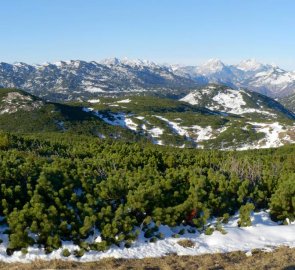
(58, 187)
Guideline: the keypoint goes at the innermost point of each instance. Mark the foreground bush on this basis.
(283, 200)
(67, 187)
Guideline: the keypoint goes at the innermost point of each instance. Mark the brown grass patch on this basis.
(282, 258)
(186, 243)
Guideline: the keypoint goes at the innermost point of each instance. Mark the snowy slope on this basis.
(236, 119)
(263, 234)
(11, 102)
(276, 135)
(257, 114)
(224, 99)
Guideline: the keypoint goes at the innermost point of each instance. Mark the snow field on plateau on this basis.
(263, 234)
(195, 133)
(199, 133)
(275, 135)
(230, 101)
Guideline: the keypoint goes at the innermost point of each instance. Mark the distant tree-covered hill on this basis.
(213, 117)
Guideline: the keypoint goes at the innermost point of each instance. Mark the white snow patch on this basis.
(275, 135)
(139, 117)
(114, 119)
(93, 89)
(87, 109)
(124, 101)
(230, 101)
(263, 234)
(93, 100)
(191, 98)
(196, 96)
(130, 124)
(175, 126)
(203, 133)
(154, 132)
(195, 133)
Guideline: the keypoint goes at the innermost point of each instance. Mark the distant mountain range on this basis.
(80, 80)
(288, 102)
(267, 79)
(74, 80)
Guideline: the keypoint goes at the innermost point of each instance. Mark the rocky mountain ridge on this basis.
(80, 80)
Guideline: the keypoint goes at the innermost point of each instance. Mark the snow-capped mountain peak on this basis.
(110, 61)
(211, 66)
(128, 62)
(138, 62)
(249, 65)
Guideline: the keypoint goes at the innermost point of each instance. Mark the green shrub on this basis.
(48, 250)
(79, 253)
(282, 203)
(100, 246)
(209, 231)
(218, 227)
(225, 218)
(153, 239)
(67, 186)
(160, 235)
(24, 251)
(181, 232)
(149, 233)
(128, 244)
(66, 252)
(4, 141)
(84, 245)
(245, 212)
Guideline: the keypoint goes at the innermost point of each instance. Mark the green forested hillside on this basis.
(23, 113)
(161, 121)
(58, 187)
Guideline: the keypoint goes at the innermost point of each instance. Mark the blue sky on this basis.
(183, 31)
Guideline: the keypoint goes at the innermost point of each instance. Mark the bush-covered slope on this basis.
(24, 113)
(242, 120)
(162, 121)
(60, 187)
